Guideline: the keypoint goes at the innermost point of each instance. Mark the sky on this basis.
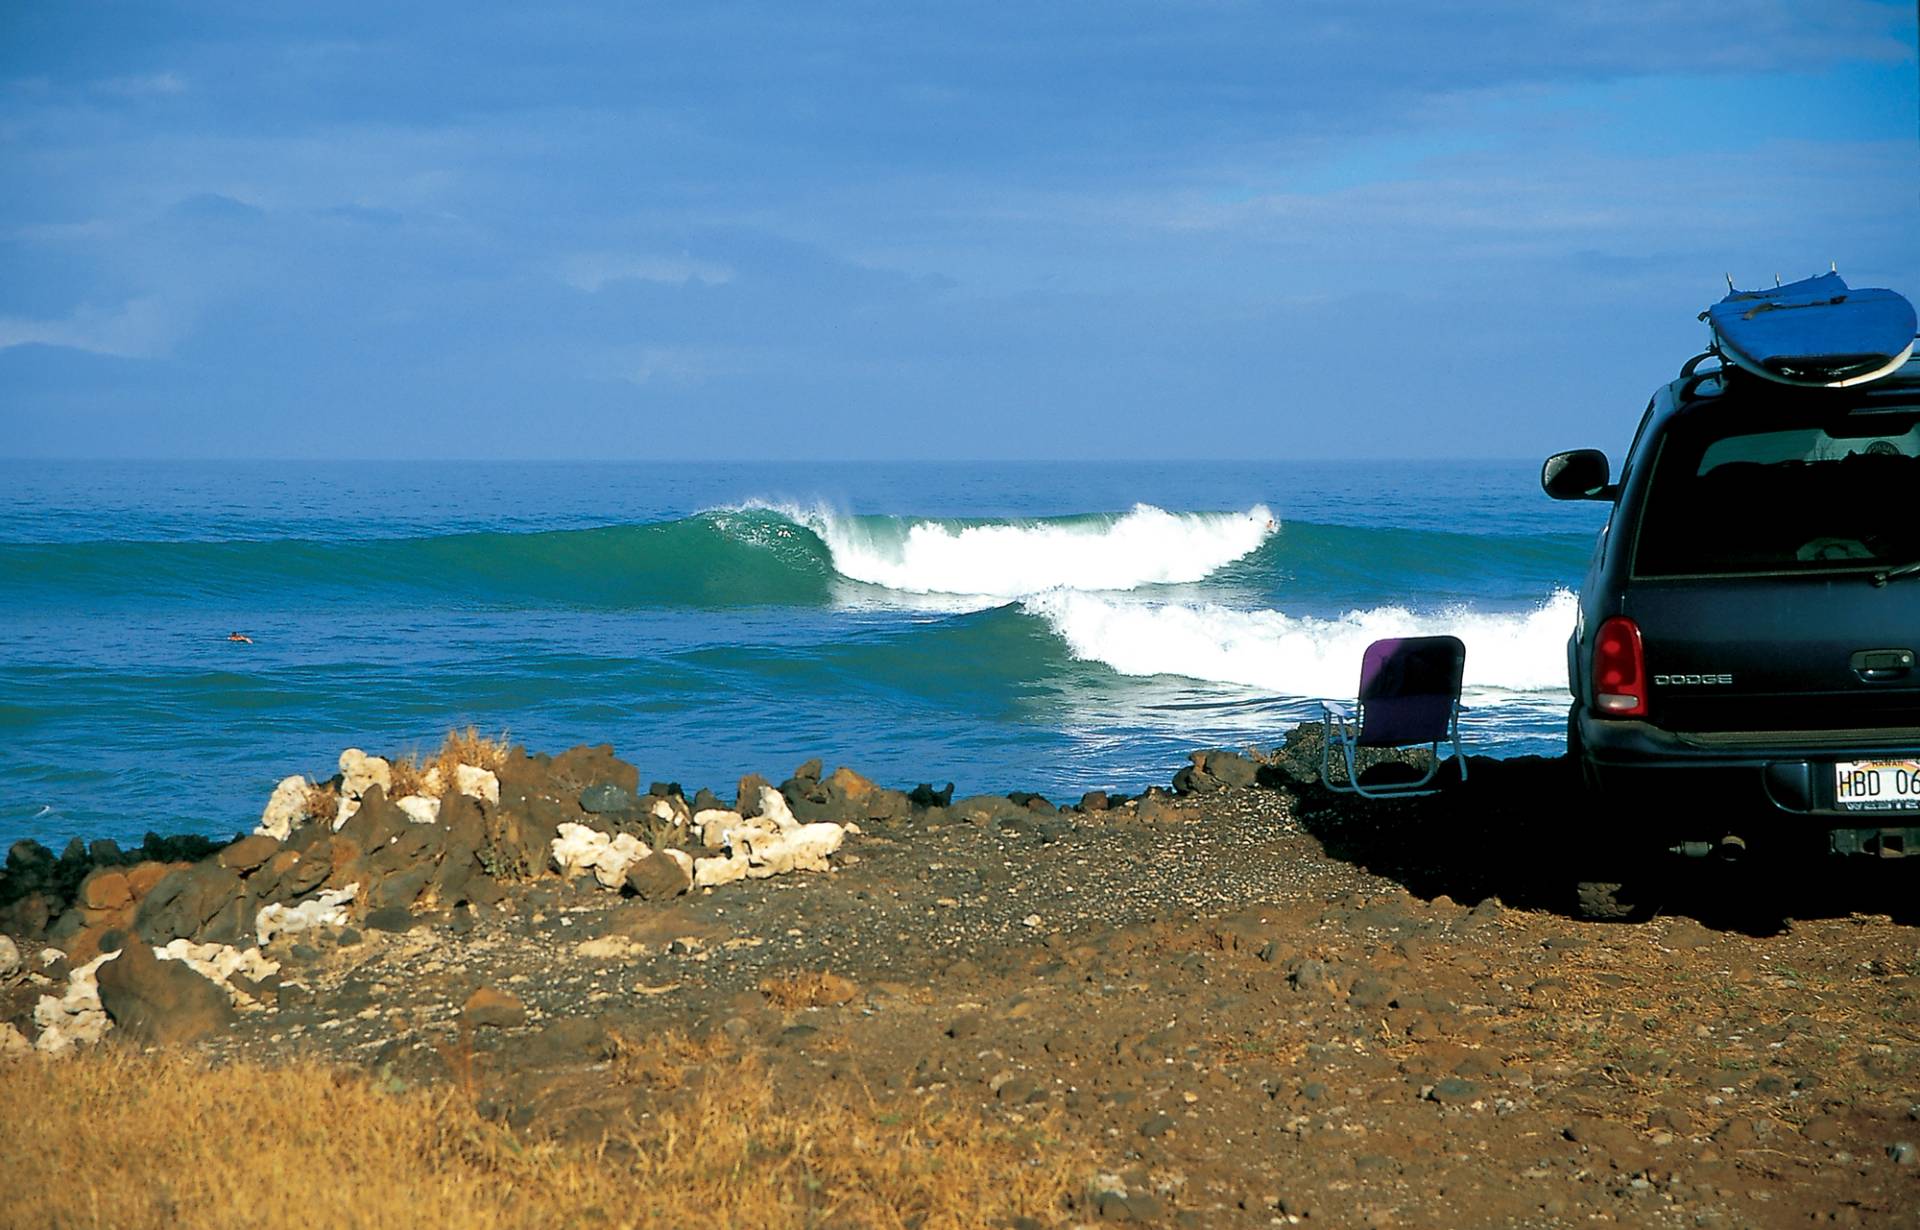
(1105, 229)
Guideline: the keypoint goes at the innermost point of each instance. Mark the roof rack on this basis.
(1693, 377)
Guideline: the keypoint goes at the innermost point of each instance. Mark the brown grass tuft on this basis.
(469, 746)
(807, 989)
(130, 1141)
(409, 777)
(662, 1061)
(321, 802)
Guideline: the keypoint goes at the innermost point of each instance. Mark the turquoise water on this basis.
(1050, 627)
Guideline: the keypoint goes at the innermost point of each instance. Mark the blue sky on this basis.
(1095, 230)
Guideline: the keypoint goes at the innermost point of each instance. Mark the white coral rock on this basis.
(329, 909)
(74, 1017)
(804, 848)
(713, 872)
(714, 827)
(476, 783)
(578, 848)
(9, 957)
(286, 809)
(360, 773)
(672, 811)
(774, 809)
(419, 808)
(219, 963)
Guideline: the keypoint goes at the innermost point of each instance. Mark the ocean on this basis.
(1055, 627)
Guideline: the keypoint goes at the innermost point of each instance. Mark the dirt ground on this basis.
(1252, 1006)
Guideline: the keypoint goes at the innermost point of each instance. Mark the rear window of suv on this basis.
(1782, 493)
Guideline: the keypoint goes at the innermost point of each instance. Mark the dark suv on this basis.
(1743, 667)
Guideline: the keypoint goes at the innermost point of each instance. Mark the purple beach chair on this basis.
(1409, 695)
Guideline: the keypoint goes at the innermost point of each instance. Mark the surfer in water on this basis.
(240, 637)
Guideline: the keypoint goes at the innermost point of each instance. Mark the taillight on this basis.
(1619, 669)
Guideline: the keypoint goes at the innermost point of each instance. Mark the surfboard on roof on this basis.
(1816, 332)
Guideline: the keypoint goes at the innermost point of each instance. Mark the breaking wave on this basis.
(1010, 559)
(1303, 656)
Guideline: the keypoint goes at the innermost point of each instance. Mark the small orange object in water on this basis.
(242, 637)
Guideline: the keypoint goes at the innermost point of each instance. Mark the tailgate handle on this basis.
(1882, 663)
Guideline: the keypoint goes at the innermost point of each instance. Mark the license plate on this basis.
(1877, 785)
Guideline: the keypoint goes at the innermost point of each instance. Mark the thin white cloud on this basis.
(589, 271)
(144, 85)
(139, 329)
(674, 365)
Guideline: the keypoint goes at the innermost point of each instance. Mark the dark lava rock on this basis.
(1227, 768)
(401, 889)
(1094, 800)
(1157, 1125)
(491, 1008)
(1453, 1091)
(746, 797)
(248, 853)
(377, 822)
(924, 795)
(1193, 780)
(657, 877)
(462, 822)
(577, 768)
(291, 873)
(391, 918)
(182, 902)
(985, 809)
(161, 1002)
(455, 874)
(603, 797)
(420, 843)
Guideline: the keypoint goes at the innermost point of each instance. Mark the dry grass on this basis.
(809, 989)
(469, 746)
(662, 1061)
(321, 802)
(122, 1141)
(408, 777)
(433, 775)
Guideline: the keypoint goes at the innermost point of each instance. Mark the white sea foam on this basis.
(1145, 546)
(1302, 656)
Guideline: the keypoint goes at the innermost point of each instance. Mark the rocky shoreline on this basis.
(1249, 1000)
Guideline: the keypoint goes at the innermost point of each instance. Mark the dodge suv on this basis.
(1743, 663)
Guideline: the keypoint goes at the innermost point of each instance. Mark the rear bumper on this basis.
(1787, 772)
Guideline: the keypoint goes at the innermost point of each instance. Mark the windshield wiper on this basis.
(1881, 577)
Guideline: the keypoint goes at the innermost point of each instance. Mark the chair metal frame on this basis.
(1348, 727)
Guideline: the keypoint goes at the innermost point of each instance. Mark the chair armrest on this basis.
(1337, 710)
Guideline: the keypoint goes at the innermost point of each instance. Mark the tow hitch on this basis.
(1877, 843)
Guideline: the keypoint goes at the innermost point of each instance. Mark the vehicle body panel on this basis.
(1761, 680)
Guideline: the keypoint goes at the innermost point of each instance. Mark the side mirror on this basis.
(1582, 474)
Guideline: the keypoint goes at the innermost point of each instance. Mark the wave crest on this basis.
(1303, 656)
(1011, 559)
